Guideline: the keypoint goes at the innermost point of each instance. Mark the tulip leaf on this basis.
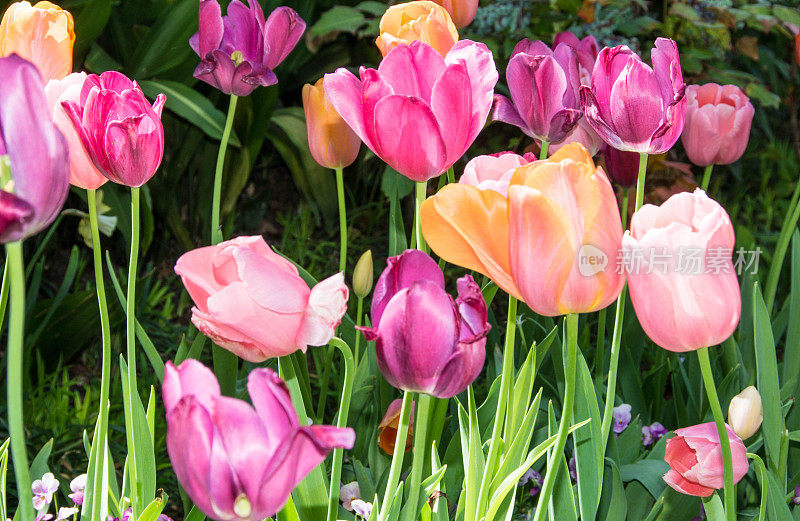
(164, 46)
(713, 508)
(614, 506)
(562, 501)
(791, 357)
(648, 472)
(3, 478)
(339, 18)
(154, 509)
(195, 515)
(39, 466)
(588, 451)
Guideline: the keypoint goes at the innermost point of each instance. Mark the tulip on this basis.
(426, 341)
(718, 122)
(236, 461)
(695, 459)
(238, 52)
(582, 133)
(333, 144)
(680, 274)
(82, 172)
(120, 131)
(586, 50)
(745, 413)
(621, 166)
(418, 112)
(36, 151)
(493, 172)
(635, 107)
(462, 12)
(421, 20)
(43, 34)
(544, 83)
(387, 429)
(362, 275)
(251, 301)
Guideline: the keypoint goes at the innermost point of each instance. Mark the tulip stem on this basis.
(341, 422)
(397, 456)
(566, 416)
(418, 461)
(780, 252)
(420, 192)
(95, 492)
(544, 148)
(359, 314)
(713, 400)
(707, 177)
(451, 175)
(16, 336)
(640, 181)
(342, 220)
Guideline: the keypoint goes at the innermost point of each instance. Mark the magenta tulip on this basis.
(695, 459)
(238, 52)
(36, 150)
(545, 103)
(681, 278)
(237, 461)
(622, 167)
(718, 119)
(418, 111)
(120, 131)
(426, 341)
(586, 49)
(635, 107)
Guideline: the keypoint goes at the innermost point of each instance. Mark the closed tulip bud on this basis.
(461, 11)
(621, 166)
(420, 20)
(745, 412)
(387, 430)
(332, 142)
(362, 275)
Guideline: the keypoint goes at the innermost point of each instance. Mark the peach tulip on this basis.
(461, 11)
(82, 172)
(387, 429)
(420, 20)
(550, 242)
(681, 278)
(331, 140)
(43, 34)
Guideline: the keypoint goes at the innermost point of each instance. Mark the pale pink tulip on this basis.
(493, 172)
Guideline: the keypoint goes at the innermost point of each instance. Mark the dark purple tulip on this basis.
(621, 166)
(426, 341)
(545, 102)
(37, 153)
(237, 461)
(239, 51)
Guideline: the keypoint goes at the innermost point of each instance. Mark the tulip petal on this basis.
(191, 378)
(282, 31)
(483, 76)
(268, 285)
(453, 112)
(461, 369)
(401, 272)
(412, 70)
(13, 211)
(684, 486)
(636, 106)
(505, 111)
(344, 92)
(211, 28)
(327, 304)
(271, 399)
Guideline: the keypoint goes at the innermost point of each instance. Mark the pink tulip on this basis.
(82, 172)
(251, 301)
(237, 461)
(635, 107)
(695, 459)
(493, 172)
(426, 341)
(544, 83)
(582, 133)
(586, 49)
(418, 111)
(718, 119)
(120, 131)
(680, 274)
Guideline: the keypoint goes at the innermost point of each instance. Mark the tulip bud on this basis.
(332, 142)
(419, 20)
(745, 412)
(387, 429)
(362, 275)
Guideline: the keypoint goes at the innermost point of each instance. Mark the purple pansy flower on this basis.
(622, 417)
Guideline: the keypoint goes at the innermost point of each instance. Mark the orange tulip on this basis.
(421, 20)
(43, 34)
(552, 242)
(387, 430)
(332, 142)
(461, 11)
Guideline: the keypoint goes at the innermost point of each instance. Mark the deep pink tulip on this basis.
(120, 131)
(426, 341)
(695, 459)
(493, 172)
(582, 133)
(681, 278)
(36, 151)
(418, 111)
(718, 119)
(238, 52)
(237, 461)
(622, 167)
(545, 103)
(633, 106)
(587, 50)
(251, 301)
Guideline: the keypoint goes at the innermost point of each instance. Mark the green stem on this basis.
(545, 147)
(341, 422)
(4, 296)
(719, 419)
(359, 314)
(451, 175)
(323, 385)
(420, 192)
(16, 336)
(130, 335)
(418, 461)
(99, 502)
(566, 416)
(640, 180)
(784, 239)
(342, 221)
(624, 210)
(216, 231)
(397, 457)
(707, 177)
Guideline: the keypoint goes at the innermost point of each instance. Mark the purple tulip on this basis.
(238, 52)
(120, 131)
(635, 107)
(621, 166)
(237, 461)
(545, 103)
(586, 49)
(36, 151)
(426, 341)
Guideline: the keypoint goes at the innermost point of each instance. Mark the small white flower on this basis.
(43, 490)
(66, 513)
(362, 508)
(348, 493)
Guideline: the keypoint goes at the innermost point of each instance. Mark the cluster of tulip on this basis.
(542, 230)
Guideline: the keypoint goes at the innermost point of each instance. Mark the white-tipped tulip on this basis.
(745, 412)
